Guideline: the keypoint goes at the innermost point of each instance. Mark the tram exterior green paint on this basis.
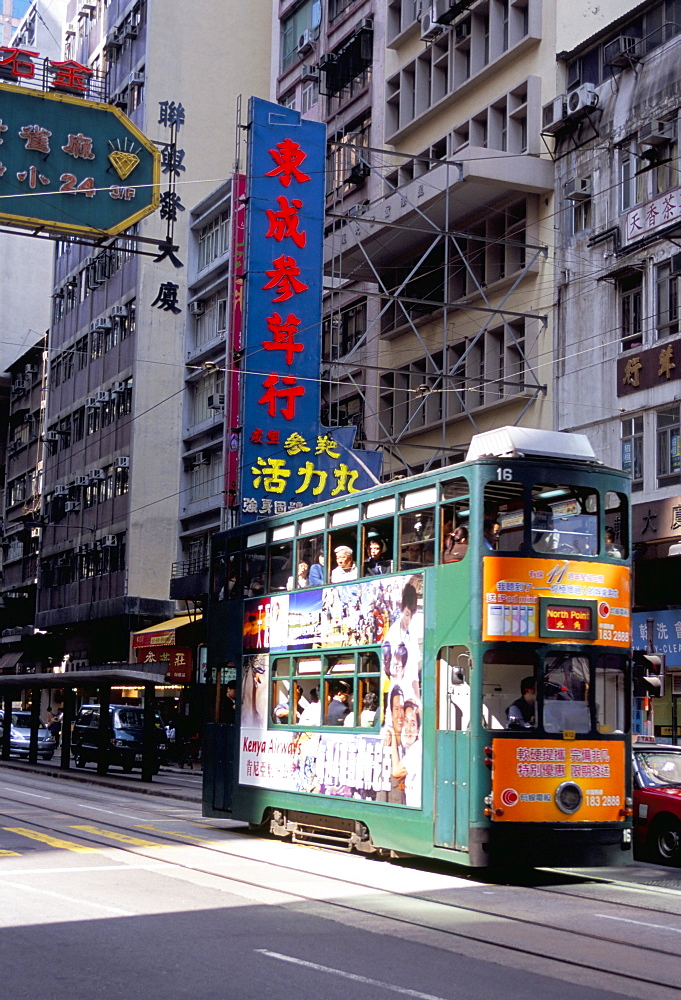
(73, 166)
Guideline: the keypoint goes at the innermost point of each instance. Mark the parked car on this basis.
(657, 803)
(124, 741)
(20, 735)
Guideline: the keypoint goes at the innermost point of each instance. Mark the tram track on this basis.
(638, 964)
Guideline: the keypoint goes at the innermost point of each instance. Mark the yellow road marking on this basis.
(122, 837)
(66, 845)
(9, 854)
(171, 833)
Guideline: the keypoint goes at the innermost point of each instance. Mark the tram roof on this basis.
(521, 442)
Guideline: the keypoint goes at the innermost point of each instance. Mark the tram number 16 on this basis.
(505, 475)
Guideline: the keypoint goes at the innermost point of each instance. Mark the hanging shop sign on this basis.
(288, 459)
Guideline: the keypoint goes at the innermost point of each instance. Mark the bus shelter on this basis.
(94, 680)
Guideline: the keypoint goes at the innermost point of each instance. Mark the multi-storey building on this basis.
(614, 122)
(114, 421)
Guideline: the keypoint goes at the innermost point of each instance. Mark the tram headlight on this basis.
(569, 797)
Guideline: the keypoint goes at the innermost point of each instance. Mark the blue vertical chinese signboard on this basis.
(288, 460)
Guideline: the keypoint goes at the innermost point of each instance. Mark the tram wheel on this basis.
(665, 841)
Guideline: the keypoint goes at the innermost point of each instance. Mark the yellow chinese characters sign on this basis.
(526, 776)
(519, 593)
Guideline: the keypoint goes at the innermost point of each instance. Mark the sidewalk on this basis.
(171, 781)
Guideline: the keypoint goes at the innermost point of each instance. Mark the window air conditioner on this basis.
(119, 311)
(71, 507)
(554, 114)
(123, 462)
(578, 189)
(60, 490)
(196, 308)
(109, 541)
(35, 532)
(131, 30)
(51, 437)
(102, 397)
(310, 74)
(136, 79)
(305, 42)
(656, 133)
(462, 30)
(80, 480)
(30, 371)
(200, 458)
(216, 401)
(621, 51)
(18, 385)
(100, 324)
(582, 100)
(70, 30)
(82, 550)
(358, 173)
(91, 402)
(118, 389)
(430, 29)
(446, 10)
(96, 475)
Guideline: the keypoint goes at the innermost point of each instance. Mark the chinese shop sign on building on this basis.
(649, 218)
(288, 459)
(646, 369)
(72, 166)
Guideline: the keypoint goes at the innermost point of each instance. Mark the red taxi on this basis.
(657, 803)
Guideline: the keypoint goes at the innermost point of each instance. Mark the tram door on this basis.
(452, 748)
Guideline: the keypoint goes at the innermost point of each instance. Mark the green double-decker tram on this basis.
(437, 666)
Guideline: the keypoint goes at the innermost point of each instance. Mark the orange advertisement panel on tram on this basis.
(557, 600)
(526, 776)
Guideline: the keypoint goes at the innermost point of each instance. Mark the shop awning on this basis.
(163, 634)
(9, 660)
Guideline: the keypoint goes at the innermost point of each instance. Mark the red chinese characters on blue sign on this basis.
(288, 459)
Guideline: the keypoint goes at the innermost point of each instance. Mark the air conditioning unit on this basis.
(71, 507)
(553, 114)
(118, 389)
(196, 308)
(102, 397)
(96, 475)
(582, 100)
(35, 532)
(82, 550)
(216, 401)
(123, 462)
(446, 10)
(91, 402)
(18, 385)
(430, 29)
(136, 79)
(578, 189)
(70, 30)
(80, 480)
(305, 42)
(656, 133)
(358, 173)
(200, 458)
(60, 490)
(51, 437)
(462, 30)
(131, 30)
(30, 371)
(109, 541)
(622, 51)
(114, 40)
(100, 324)
(310, 74)
(119, 310)
(28, 417)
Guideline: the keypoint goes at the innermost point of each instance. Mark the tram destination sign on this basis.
(73, 166)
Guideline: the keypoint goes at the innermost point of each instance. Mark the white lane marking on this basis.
(34, 795)
(641, 923)
(348, 975)
(86, 868)
(68, 899)
(111, 812)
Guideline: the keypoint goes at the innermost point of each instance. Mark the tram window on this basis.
(417, 539)
(616, 526)
(564, 519)
(566, 694)
(504, 516)
(610, 694)
(339, 701)
(281, 708)
(454, 689)
(343, 555)
(254, 572)
(377, 549)
(506, 676)
(219, 577)
(311, 552)
(280, 559)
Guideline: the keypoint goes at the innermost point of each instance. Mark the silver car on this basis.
(20, 736)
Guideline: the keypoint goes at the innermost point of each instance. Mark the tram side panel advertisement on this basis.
(383, 765)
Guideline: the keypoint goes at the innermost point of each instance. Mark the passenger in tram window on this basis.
(369, 707)
(490, 533)
(339, 706)
(375, 564)
(521, 713)
(611, 550)
(456, 545)
(302, 579)
(316, 574)
(346, 567)
(312, 713)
